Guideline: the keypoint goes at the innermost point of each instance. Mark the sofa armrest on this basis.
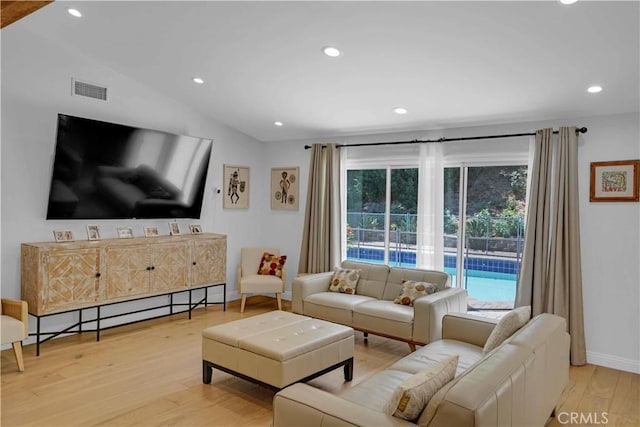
(303, 286)
(429, 310)
(467, 328)
(302, 404)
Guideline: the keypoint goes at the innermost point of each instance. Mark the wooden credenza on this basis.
(68, 276)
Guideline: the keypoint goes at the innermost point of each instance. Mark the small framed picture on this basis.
(195, 229)
(284, 188)
(151, 231)
(93, 232)
(174, 229)
(125, 232)
(615, 181)
(63, 235)
(236, 183)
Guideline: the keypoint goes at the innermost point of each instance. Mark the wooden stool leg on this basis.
(244, 299)
(279, 298)
(17, 350)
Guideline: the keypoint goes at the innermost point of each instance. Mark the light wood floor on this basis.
(149, 374)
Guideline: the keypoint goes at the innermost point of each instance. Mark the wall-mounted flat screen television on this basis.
(112, 171)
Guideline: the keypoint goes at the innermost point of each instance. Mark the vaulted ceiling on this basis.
(450, 64)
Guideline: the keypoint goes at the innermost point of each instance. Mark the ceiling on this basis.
(450, 64)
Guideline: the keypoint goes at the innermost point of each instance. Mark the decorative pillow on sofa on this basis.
(412, 290)
(271, 265)
(507, 325)
(344, 281)
(411, 397)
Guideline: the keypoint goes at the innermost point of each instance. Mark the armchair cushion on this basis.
(271, 264)
(12, 330)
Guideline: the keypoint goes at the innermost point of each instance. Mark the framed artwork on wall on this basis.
(236, 185)
(615, 181)
(284, 188)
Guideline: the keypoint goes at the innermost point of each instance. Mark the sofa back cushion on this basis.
(373, 277)
(397, 275)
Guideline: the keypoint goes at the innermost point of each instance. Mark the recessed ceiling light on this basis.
(74, 12)
(594, 89)
(278, 124)
(331, 51)
(198, 80)
(400, 110)
(568, 1)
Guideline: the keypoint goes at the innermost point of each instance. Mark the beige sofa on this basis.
(372, 310)
(519, 383)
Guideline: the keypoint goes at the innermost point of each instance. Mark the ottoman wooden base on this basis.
(207, 373)
(277, 349)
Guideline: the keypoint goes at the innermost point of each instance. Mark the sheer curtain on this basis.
(430, 227)
(550, 276)
(320, 249)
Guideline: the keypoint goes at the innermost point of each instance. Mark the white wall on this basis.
(610, 231)
(36, 86)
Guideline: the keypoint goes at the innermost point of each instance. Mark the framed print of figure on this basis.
(284, 188)
(236, 187)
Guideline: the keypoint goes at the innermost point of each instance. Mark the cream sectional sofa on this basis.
(519, 383)
(372, 310)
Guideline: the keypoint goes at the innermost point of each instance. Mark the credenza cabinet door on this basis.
(169, 268)
(70, 278)
(128, 269)
(208, 261)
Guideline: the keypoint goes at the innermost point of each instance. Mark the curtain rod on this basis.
(465, 138)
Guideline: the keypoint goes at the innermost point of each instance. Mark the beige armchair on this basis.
(249, 281)
(14, 326)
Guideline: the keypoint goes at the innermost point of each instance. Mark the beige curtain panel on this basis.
(551, 275)
(320, 249)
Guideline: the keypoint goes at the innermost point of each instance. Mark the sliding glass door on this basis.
(382, 215)
(484, 225)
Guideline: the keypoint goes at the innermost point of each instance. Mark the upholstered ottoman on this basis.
(277, 349)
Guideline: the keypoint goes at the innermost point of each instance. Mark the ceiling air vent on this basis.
(89, 90)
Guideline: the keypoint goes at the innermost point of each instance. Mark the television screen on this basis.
(111, 171)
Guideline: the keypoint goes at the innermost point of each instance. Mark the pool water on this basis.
(487, 285)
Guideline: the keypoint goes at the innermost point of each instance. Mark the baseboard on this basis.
(615, 362)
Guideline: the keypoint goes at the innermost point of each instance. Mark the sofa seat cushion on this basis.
(338, 300)
(374, 392)
(438, 351)
(384, 318)
(333, 306)
(385, 310)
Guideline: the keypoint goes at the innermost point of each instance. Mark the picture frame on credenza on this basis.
(63, 235)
